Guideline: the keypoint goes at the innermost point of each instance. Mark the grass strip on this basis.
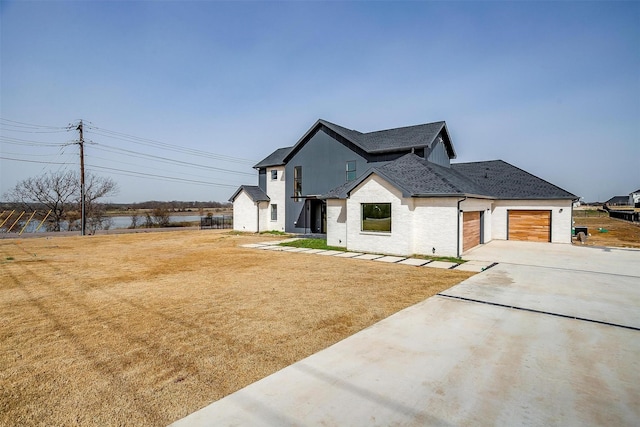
(313, 244)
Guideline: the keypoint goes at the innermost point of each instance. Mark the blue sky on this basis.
(551, 87)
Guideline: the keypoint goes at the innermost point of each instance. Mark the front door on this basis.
(318, 216)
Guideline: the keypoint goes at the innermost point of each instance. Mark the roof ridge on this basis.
(339, 126)
(435, 171)
(402, 127)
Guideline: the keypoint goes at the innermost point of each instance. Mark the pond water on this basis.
(116, 222)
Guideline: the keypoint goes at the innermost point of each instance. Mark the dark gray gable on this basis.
(505, 181)
(253, 191)
(274, 159)
(390, 140)
(406, 138)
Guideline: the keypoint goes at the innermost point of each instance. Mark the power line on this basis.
(33, 161)
(29, 142)
(129, 173)
(31, 125)
(171, 147)
(30, 155)
(147, 167)
(142, 175)
(16, 126)
(166, 159)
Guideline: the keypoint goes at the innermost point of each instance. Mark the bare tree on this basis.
(161, 217)
(60, 192)
(95, 188)
(54, 191)
(134, 219)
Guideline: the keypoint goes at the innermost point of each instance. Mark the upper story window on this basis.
(297, 183)
(351, 170)
(274, 174)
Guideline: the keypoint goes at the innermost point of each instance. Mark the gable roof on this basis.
(505, 181)
(635, 192)
(253, 191)
(274, 159)
(383, 141)
(617, 200)
(417, 177)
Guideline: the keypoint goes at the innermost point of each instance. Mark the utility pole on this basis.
(83, 221)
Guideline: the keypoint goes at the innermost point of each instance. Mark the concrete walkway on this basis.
(473, 266)
(550, 336)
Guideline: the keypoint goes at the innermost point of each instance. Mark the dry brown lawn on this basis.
(143, 329)
(620, 233)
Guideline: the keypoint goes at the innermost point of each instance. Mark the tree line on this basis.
(59, 194)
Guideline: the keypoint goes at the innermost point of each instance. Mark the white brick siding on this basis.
(418, 225)
(376, 190)
(435, 226)
(337, 223)
(245, 213)
(560, 221)
(276, 192)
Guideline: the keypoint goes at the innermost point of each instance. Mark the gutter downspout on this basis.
(458, 234)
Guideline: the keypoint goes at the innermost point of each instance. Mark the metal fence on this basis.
(216, 222)
(630, 216)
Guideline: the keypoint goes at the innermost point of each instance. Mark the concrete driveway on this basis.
(550, 336)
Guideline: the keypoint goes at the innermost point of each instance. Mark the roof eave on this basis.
(267, 165)
(568, 197)
(453, 154)
(396, 149)
(468, 195)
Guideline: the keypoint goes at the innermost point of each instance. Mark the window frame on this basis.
(297, 183)
(274, 174)
(352, 171)
(274, 212)
(387, 207)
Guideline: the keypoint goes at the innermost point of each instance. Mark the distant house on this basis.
(396, 191)
(634, 198)
(618, 201)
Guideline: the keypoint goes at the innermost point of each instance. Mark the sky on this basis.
(179, 99)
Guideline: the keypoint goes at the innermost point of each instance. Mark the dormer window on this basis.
(274, 175)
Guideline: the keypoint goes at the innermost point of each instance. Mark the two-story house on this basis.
(396, 191)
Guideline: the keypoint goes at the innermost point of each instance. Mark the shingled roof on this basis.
(417, 177)
(383, 141)
(505, 181)
(253, 191)
(274, 159)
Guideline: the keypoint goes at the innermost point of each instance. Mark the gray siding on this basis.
(323, 161)
(438, 154)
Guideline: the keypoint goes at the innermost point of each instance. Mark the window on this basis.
(274, 174)
(351, 170)
(274, 212)
(297, 183)
(376, 217)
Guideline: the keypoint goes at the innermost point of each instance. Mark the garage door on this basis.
(470, 230)
(533, 226)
